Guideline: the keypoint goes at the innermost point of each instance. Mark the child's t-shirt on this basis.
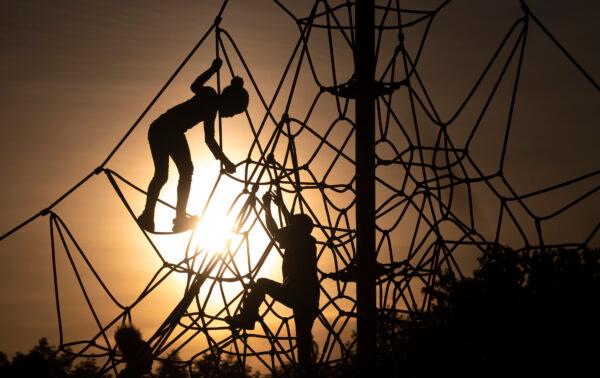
(299, 265)
(201, 107)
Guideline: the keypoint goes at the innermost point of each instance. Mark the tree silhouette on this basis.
(172, 367)
(4, 365)
(210, 365)
(532, 313)
(213, 365)
(43, 360)
(86, 369)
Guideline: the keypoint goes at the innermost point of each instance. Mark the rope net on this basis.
(429, 187)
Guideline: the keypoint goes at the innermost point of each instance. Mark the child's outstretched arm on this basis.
(206, 75)
(271, 225)
(279, 202)
(284, 236)
(209, 139)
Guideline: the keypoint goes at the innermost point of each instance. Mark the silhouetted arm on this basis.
(209, 139)
(206, 75)
(279, 202)
(271, 225)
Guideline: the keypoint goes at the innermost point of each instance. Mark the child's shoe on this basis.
(241, 321)
(146, 221)
(184, 224)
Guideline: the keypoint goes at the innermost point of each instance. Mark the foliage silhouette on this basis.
(228, 367)
(532, 313)
(172, 367)
(210, 365)
(43, 360)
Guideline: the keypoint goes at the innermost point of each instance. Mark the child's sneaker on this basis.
(241, 321)
(146, 222)
(184, 224)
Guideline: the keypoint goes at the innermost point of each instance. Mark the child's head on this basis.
(128, 339)
(302, 222)
(234, 98)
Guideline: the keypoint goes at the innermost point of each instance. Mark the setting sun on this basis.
(214, 231)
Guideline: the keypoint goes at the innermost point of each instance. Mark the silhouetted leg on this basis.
(257, 295)
(160, 155)
(181, 156)
(253, 300)
(304, 320)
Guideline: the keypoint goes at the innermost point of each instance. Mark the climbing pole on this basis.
(365, 182)
(391, 188)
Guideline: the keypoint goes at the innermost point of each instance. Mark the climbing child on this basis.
(167, 139)
(300, 287)
(136, 352)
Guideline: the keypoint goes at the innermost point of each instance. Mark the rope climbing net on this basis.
(428, 188)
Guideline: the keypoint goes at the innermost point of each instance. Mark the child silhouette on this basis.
(136, 352)
(300, 287)
(167, 139)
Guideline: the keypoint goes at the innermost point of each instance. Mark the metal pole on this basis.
(364, 14)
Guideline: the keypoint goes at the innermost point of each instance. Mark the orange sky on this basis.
(76, 75)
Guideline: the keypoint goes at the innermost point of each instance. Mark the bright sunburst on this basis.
(215, 230)
(217, 214)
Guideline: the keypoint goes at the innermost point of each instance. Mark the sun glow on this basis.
(218, 211)
(215, 231)
(230, 225)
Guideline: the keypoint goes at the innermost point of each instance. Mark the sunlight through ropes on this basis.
(438, 208)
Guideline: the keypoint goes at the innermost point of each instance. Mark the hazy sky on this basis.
(75, 75)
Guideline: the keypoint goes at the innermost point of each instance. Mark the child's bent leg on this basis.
(257, 295)
(252, 301)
